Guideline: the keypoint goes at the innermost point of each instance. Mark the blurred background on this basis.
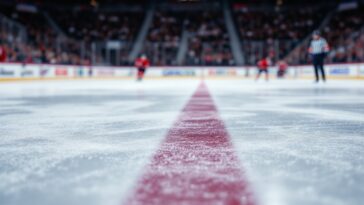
(178, 32)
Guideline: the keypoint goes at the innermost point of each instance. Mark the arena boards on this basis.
(16, 71)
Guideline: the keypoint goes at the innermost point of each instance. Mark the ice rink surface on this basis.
(87, 142)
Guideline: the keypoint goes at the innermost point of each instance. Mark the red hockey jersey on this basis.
(2, 54)
(282, 66)
(142, 63)
(263, 64)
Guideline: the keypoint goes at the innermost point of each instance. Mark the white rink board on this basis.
(17, 70)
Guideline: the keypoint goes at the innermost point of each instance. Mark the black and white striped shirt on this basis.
(319, 46)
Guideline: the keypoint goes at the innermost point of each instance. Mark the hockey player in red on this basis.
(2, 54)
(263, 68)
(282, 68)
(141, 63)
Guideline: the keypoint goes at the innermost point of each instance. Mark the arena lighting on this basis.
(279, 2)
(93, 3)
(188, 0)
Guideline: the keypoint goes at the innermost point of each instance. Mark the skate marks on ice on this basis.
(81, 142)
(301, 143)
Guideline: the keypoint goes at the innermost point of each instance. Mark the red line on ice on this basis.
(196, 164)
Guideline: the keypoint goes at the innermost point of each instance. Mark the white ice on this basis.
(87, 142)
(300, 143)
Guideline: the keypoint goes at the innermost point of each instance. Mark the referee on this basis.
(318, 50)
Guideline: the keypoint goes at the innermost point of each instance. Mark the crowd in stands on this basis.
(345, 36)
(94, 26)
(262, 25)
(275, 32)
(91, 25)
(209, 42)
(24, 52)
(163, 39)
(41, 43)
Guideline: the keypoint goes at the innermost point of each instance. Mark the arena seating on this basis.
(209, 44)
(280, 33)
(90, 25)
(163, 39)
(43, 45)
(345, 35)
(275, 32)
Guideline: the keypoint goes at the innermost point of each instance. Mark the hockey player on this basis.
(318, 50)
(2, 53)
(282, 68)
(263, 68)
(141, 63)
